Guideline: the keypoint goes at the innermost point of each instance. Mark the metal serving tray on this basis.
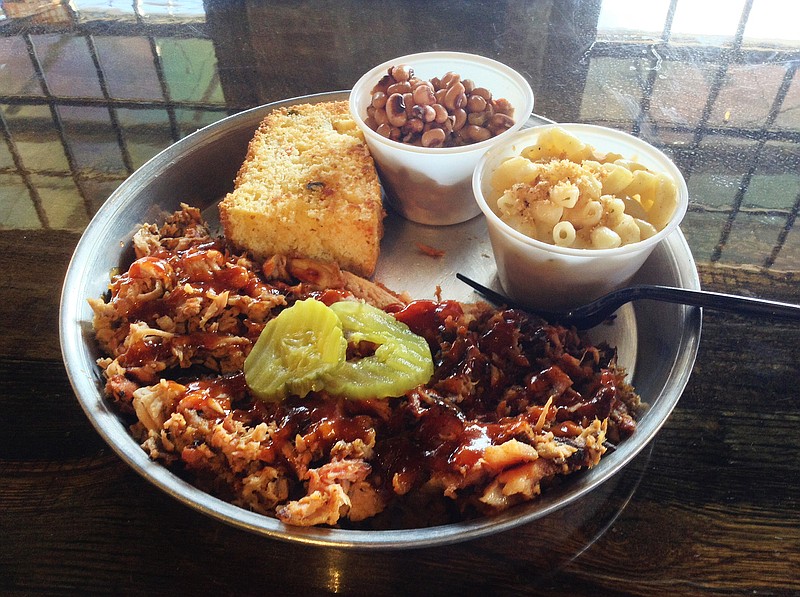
(657, 342)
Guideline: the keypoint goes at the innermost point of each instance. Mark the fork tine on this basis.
(500, 299)
(487, 292)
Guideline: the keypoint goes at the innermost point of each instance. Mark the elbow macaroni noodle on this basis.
(563, 192)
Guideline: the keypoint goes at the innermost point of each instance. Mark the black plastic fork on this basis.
(594, 313)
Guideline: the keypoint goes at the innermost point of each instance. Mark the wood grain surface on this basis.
(710, 506)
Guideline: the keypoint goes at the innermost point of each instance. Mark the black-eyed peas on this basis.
(443, 112)
(401, 72)
(396, 111)
(433, 138)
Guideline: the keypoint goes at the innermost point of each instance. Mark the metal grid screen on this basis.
(80, 100)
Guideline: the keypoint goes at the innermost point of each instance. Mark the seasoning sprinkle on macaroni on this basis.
(564, 192)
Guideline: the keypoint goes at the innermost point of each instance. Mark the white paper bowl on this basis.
(541, 275)
(433, 185)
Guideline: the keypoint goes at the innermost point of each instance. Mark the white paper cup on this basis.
(545, 276)
(433, 185)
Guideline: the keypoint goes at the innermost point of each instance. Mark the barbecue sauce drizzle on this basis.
(430, 430)
(492, 380)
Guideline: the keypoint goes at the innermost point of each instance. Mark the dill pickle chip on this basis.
(294, 350)
(401, 361)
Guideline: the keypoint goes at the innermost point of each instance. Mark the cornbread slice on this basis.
(308, 188)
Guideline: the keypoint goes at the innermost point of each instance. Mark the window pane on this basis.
(752, 238)
(619, 83)
(67, 65)
(146, 132)
(747, 95)
(702, 231)
(17, 76)
(789, 113)
(190, 68)
(191, 120)
(632, 15)
(35, 138)
(776, 182)
(789, 257)
(762, 26)
(716, 177)
(62, 203)
(91, 138)
(130, 71)
(16, 207)
(708, 19)
(671, 103)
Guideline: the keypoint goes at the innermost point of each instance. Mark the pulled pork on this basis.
(514, 403)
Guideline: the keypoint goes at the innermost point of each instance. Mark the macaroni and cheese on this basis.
(564, 192)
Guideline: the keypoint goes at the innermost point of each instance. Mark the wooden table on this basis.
(710, 506)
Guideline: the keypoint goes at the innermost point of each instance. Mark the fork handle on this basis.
(716, 300)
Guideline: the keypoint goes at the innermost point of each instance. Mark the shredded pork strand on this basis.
(514, 403)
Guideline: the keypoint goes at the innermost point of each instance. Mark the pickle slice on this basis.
(294, 350)
(401, 361)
